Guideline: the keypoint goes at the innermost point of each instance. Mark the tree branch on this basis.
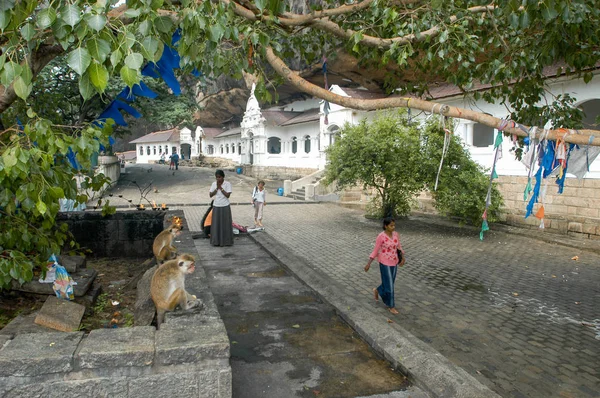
(299, 19)
(583, 138)
(320, 20)
(37, 61)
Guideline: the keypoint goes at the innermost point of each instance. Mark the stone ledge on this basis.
(3, 340)
(60, 314)
(176, 344)
(106, 348)
(101, 387)
(39, 353)
(188, 357)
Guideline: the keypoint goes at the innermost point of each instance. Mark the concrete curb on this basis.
(424, 366)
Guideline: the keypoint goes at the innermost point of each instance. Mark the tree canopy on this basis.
(504, 44)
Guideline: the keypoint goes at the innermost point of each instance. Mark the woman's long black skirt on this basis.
(221, 231)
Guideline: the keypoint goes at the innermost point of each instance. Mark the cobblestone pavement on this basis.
(517, 313)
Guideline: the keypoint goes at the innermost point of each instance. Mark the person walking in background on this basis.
(221, 231)
(259, 196)
(387, 250)
(175, 160)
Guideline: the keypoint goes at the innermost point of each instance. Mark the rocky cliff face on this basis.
(224, 99)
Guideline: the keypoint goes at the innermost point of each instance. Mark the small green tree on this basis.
(399, 158)
(384, 155)
(35, 172)
(462, 184)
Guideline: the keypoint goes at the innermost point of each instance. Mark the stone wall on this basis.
(111, 168)
(277, 173)
(124, 234)
(187, 357)
(575, 212)
(126, 362)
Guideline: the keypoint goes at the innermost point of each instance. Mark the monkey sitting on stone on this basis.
(163, 248)
(167, 287)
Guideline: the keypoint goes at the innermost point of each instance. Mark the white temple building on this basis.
(150, 148)
(296, 135)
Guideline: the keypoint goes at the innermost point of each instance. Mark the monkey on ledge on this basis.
(167, 287)
(163, 243)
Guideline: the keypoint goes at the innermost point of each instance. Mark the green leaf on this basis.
(133, 12)
(144, 27)
(22, 89)
(71, 14)
(9, 158)
(79, 60)
(96, 22)
(99, 49)
(134, 61)
(116, 57)
(129, 40)
(260, 4)
(163, 24)
(7, 5)
(4, 19)
(549, 12)
(129, 76)
(86, 89)
(150, 48)
(9, 72)
(443, 36)
(98, 76)
(41, 207)
(56, 192)
(156, 4)
(216, 32)
(14, 273)
(60, 29)
(436, 4)
(45, 18)
(524, 20)
(27, 31)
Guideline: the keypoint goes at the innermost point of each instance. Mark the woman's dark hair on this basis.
(387, 221)
(219, 173)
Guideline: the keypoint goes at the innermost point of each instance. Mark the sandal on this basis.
(393, 310)
(376, 294)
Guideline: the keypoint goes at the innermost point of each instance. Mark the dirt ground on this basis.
(112, 308)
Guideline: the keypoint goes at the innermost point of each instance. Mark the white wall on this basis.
(508, 165)
(339, 116)
(154, 157)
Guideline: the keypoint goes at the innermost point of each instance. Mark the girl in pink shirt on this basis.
(386, 246)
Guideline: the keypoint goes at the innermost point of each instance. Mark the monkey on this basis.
(163, 244)
(167, 287)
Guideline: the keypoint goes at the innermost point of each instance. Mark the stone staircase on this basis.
(300, 193)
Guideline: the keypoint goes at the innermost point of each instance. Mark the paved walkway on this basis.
(517, 313)
(285, 341)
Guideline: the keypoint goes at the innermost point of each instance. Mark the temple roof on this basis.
(309, 115)
(171, 135)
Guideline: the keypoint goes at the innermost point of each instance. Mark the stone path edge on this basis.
(424, 366)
